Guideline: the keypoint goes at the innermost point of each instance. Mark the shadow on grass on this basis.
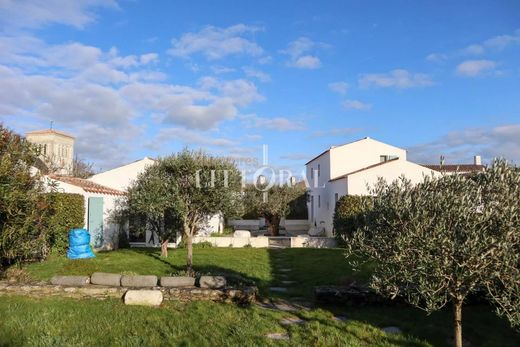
(315, 267)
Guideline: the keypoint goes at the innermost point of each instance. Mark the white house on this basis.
(99, 203)
(120, 178)
(350, 169)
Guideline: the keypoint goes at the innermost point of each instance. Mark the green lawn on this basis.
(56, 322)
(249, 265)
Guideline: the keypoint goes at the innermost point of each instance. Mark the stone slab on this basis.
(291, 320)
(392, 330)
(139, 281)
(213, 282)
(106, 279)
(277, 336)
(177, 281)
(143, 297)
(73, 281)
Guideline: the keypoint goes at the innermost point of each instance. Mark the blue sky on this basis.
(136, 78)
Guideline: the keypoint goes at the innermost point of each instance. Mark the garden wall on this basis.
(300, 241)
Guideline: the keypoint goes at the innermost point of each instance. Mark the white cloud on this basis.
(437, 57)
(149, 58)
(335, 132)
(277, 123)
(260, 75)
(356, 105)
(493, 44)
(216, 43)
(36, 14)
(474, 49)
(473, 68)
(460, 146)
(300, 53)
(307, 62)
(222, 69)
(187, 137)
(399, 78)
(339, 87)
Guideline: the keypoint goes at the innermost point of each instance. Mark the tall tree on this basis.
(23, 209)
(273, 203)
(82, 169)
(181, 192)
(445, 238)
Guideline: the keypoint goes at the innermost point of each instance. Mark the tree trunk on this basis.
(273, 225)
(164, 248)
(457, 312)
(189, 258)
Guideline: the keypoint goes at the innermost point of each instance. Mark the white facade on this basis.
(121, 177)
(351, 169)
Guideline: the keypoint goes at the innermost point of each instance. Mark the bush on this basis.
(67, 212)
(205, 244)
(23, 209)
(349, 214)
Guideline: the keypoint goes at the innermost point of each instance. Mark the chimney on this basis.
(477, 160)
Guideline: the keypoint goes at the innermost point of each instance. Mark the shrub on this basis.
(23, 209)
(349, 214)
(67, 212)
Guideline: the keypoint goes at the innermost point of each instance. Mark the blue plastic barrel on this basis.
(79, 245)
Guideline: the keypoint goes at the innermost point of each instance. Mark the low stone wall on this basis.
(244, 295)
(300, 241)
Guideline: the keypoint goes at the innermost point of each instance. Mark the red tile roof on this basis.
(363, 169)
(87, 185)
(456, 167)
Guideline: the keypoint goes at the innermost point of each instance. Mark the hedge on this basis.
(349, 214)
(67, 212)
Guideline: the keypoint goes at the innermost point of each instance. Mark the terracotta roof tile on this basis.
(87, 185)
(456, 167)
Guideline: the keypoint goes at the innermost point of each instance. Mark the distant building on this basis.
(56, 150)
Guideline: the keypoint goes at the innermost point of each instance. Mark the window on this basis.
(318, 170)
(312, 172)
(319, 201)
(336, 197)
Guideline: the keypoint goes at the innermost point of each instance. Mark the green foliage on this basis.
(298, 206)
(446, 237)
(349, 215)
(67, 212)
(23, 209)
(228, 231)
(280, 198)
(205, 244)
(180, 192)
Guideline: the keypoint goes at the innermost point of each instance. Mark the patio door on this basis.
(95, 221)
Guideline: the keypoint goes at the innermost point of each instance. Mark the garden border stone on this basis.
(139, 281)
(106, 279)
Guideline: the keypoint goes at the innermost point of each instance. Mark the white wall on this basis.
(357, 183)
(121, 177)
(359, 154)
(263, 241)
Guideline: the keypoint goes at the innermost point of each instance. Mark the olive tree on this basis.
(181, 192)
(445, 238)
(149, 205)
(273, 202)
